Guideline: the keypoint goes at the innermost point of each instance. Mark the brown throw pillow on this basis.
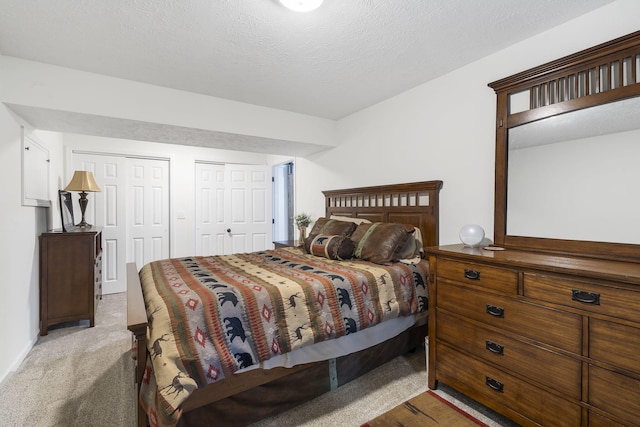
(332, 247)
(380, 242)
(328, 226)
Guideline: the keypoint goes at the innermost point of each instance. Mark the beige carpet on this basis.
(75, 376)
(80, 376)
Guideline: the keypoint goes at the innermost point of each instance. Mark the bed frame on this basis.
(250, 396)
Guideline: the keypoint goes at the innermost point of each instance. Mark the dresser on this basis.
(543, 339)
(70, 276)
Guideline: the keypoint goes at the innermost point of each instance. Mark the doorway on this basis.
(283, 199)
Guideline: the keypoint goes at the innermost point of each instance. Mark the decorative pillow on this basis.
(380, 242)
(413, 248)
(332, 247)
(329, 226)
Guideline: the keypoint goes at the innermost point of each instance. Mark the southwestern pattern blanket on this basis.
(212, 316)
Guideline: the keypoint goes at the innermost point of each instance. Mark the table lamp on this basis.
(83, 181)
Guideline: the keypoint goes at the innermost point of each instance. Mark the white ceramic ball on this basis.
(472, 235)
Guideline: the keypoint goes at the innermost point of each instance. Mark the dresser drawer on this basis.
(494, 278)
(562, 373)
(596, 420)
(608, 300)
(614, 343)
(553, 327)
(469, 374)
(615, 393)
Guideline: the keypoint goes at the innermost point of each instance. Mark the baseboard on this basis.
(19, 359)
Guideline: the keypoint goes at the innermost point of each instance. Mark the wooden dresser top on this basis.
(620, 271)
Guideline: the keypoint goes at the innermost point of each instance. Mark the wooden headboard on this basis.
(415, 203)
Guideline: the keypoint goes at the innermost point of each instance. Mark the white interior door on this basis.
(147, 210)
(209, 216)
(233, 209)
(248, 207)
(106, 209)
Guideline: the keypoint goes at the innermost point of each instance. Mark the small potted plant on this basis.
(302, 222)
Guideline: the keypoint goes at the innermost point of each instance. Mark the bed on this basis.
(283, 366)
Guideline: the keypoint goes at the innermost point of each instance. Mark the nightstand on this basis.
(70, 276)
(286, 244)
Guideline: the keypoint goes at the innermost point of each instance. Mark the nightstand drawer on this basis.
(554, 327)
(614, 343)
(617, 302)
(561, 372)
(494, 278)
(616, 393)
(464, 373)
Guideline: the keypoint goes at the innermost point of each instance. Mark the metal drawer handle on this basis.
(495, 311)
(585, 297)
(471, 274)
(494, 347)
(494, 384)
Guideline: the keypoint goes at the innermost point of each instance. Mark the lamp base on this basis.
(83, 207)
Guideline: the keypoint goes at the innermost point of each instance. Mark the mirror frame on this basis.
(571, 83)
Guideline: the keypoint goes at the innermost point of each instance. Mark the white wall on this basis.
(20, 227)
(444, 129)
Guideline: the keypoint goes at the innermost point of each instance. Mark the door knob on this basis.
(228, 230)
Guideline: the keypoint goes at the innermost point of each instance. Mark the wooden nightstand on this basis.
(70, 276)
(286, 244)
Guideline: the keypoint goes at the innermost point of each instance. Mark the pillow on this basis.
(329, 226)
(332, 247)
(350, 219)
(413, 248)
(380, 242)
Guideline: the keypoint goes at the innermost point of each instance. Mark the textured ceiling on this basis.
(339, 59)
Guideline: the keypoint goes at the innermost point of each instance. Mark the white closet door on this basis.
(248, 208)
(209, 215)
(106, 209)
(233, 208)
(148, 210)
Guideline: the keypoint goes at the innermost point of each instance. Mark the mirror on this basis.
(568, 154)
(573, 176)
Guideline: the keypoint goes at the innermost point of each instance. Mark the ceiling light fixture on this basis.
(302, 5)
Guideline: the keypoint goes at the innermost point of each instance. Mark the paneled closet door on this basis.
(132, 208)
(248, 211)
(106, 210)
(147, 210)
(233, 208)
(209, 216)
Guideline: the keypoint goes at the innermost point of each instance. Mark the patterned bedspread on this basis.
(212, 316)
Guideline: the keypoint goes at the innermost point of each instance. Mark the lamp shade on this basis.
(83, 181)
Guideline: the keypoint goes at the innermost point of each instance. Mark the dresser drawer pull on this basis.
(494, 384)
(495, 310)
(494, 347)
(471, 274)
(585, 297)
